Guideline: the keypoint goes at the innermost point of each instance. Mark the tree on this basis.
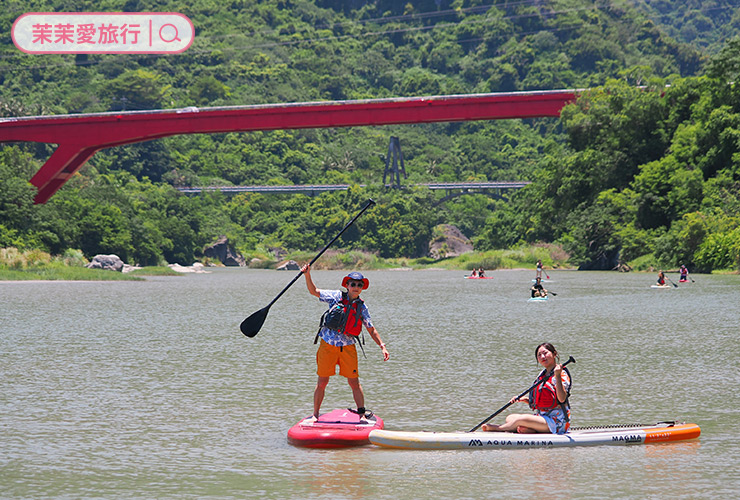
(136, 89)
(16, 193)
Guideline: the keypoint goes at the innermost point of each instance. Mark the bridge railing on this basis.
(322, 188)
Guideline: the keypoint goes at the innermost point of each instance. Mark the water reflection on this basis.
(149, 389)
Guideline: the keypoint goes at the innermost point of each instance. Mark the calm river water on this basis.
(148, 389)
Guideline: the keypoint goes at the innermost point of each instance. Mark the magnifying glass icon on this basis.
(176, 37)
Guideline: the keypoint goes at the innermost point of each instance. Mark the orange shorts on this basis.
(329, 356)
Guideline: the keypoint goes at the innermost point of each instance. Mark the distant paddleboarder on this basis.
(537, 289)
(684, 273)
(661, 278)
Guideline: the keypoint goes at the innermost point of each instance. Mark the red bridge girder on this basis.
(79, 136)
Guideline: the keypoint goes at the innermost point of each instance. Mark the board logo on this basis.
(635, 438)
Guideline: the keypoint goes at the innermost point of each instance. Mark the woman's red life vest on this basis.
(544, 395)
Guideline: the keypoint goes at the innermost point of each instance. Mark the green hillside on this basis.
(625, 173)
(704, 24)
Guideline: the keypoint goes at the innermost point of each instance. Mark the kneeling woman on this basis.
(549, 399)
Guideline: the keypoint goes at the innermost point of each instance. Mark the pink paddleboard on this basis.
(336, 429)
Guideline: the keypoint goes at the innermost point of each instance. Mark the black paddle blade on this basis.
(251, 326)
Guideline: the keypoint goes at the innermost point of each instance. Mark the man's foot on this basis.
(362, 412)
(358, 411)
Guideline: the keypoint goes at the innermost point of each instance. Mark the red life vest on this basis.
(353, 327)
(344, 316)
(544, 395)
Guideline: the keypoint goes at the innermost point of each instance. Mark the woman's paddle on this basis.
(251, 326)
(519, 396)
(672, 283)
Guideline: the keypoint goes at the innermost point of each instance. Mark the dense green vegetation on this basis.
(706, 24)
(628, 171)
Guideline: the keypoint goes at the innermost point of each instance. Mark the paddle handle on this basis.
(369, 204)
(571, 358)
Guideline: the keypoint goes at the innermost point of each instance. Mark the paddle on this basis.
(672, 283)
(519, 396)
(251, 326)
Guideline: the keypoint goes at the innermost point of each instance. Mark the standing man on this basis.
(340, 327)
(684, 273)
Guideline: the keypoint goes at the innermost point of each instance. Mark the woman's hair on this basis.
(547, 346)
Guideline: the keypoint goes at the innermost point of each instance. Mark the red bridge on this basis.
(79, 136)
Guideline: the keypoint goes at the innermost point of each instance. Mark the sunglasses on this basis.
(356, 283)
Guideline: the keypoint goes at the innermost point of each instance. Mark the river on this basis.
(148, 389)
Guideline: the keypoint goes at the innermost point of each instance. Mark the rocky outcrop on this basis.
(108, 262)
(448, 241)
(225, 253)
(288, 265)
(128, 268)
(195, 268)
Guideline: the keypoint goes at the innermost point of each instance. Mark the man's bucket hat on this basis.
(355, 276)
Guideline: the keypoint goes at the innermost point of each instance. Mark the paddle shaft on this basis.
(539, 381)
(370, 203)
